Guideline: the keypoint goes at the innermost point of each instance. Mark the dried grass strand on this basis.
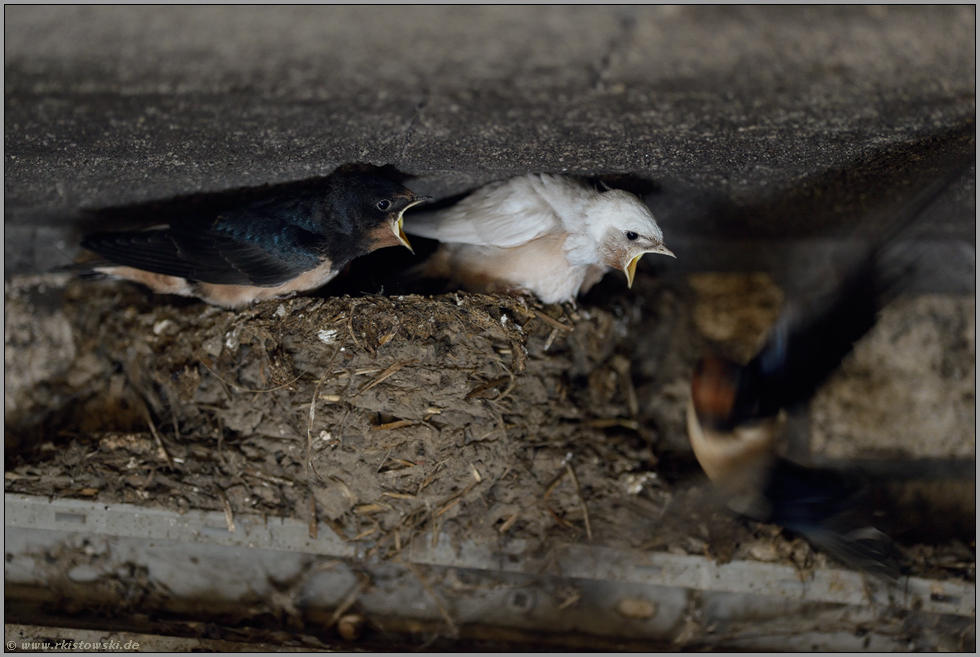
(581, 499)
(239, 388)
(453, 629)
(394, 367)
(156, 436)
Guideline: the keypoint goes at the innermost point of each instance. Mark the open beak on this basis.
(399, 228)
(630, 269)
(399, 231)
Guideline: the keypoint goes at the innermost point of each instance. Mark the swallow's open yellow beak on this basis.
(630, 270)
(399, 228)
(399, 231)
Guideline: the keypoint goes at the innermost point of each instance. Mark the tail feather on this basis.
(86, 270)
(865, 549)
(831, 509)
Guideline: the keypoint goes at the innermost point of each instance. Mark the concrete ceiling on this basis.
(754, 123)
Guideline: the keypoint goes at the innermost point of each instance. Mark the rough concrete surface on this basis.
(910, 390)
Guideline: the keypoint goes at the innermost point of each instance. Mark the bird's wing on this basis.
(829, 508)
(806, 345)
(504, 214)
(238, 249)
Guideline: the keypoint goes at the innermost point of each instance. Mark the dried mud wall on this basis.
(384, 416)
(480, 417)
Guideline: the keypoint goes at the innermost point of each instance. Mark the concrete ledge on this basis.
(572, 561)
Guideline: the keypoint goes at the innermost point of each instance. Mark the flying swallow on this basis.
(261, 249)
(831, 509)
(736, 412)
(546, 234)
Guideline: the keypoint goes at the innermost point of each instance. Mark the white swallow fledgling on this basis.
(546, 234)
(735, 413)
(265, 248)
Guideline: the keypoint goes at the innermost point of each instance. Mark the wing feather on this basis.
(230, 251)
(806, 346)
(503, 214)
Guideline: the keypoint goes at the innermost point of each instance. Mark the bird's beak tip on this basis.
(402, 237)
(630, 270)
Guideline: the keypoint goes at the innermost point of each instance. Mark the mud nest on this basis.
(475, 417)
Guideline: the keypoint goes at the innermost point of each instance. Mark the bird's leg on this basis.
(519, 292)
(514, 292)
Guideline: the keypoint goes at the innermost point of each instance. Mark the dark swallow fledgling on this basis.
(261, 249)
(736, 412)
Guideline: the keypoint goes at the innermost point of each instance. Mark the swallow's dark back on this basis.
(264, 242)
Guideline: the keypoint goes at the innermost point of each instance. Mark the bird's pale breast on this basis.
(539, 266)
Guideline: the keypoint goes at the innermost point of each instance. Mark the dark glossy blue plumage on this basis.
(833, 510)
(803, 349)
(265, 242)
(808, 343)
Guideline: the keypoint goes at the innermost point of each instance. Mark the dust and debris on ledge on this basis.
(482, 418)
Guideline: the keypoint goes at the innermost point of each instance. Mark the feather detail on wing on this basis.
(206, 255)
(832, 510)
(807, 345)
(504, 214)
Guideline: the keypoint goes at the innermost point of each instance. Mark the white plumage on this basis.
(547, 234)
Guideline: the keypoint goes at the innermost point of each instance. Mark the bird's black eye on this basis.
(384, 205)
(631, 236)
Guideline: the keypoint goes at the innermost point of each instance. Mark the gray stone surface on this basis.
(910, 390)
(696, 603)
(763, 123)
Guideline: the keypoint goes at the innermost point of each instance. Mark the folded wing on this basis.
(504, 214)
(232, 250)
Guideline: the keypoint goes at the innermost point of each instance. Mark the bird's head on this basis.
(386, 202)
(714, 389)
(624, 229)
(733, 453)
(394, 208)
